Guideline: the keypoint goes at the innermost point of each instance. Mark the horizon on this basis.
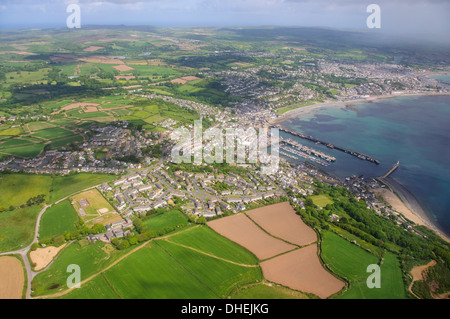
(418, 18)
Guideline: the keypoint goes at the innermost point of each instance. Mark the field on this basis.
(164, 270)
(66, 185)
(240, 229)
(281, 221)
(58, 220)
(99, 210)
(297, 267)
(302, 270)
(17, 228)
(159, 222)
(350, 262)
(91, 258)
(21, 147)
(41, 257)
(11, 278)
(321, 200)
(16, 189)
(205, 239)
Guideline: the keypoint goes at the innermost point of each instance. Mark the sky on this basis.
(421, 17)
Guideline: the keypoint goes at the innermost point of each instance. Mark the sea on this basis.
(414, 130)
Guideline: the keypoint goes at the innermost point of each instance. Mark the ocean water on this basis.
(412, 130)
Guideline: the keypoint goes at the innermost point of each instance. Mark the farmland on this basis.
(165, 270)
(91, 258)
(58, 220)
(240, 229)
(205, 239)
(17, 227)
(66, 185)
(296, 267)
(350, 262)
(16, 189)
(161, 221)
(11, 278)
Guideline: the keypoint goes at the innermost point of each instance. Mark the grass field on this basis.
(91, 258)
(16, 189)
(165, 270)
(66, 185)
(168, 219)
(11, 131)
(350, 262)
(205, 239)
(27, 77)
(220, 276)
(321, 200)
(21, 147)
(17, 228)
(58, 220)
(97, 288)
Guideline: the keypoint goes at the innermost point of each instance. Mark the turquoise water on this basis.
(412, 130)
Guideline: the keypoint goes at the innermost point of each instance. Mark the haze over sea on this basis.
(412, 130)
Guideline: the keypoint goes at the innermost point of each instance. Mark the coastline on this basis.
(342, 103)
(411, 203)
(401, 192)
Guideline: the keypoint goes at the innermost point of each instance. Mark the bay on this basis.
(414, 130)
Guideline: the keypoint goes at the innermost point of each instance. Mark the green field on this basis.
(17, 228)
(21, 147)
(66, 185)
(58, 220)
(159, 222)
(51, 133)
(321, 200)
(96, 288)
(163, 270)
(205, 239)
(11, 131)
(350, 262)
(27, 77)
(16, 189)
(91, 258)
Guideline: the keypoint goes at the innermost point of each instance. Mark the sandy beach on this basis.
(414, 210)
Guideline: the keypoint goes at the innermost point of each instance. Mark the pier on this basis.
(329, 145)
(393, 168)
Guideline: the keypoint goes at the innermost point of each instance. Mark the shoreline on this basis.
(400, 191)
(411, 203)
(342, 103)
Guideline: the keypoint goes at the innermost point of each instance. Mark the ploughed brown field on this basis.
(240, 229)
(301, 270)
(11, 278)
(280, 220)
(278, 233)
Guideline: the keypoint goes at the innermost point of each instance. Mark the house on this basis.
(159, 203)
(106, 187)
(144, 188)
